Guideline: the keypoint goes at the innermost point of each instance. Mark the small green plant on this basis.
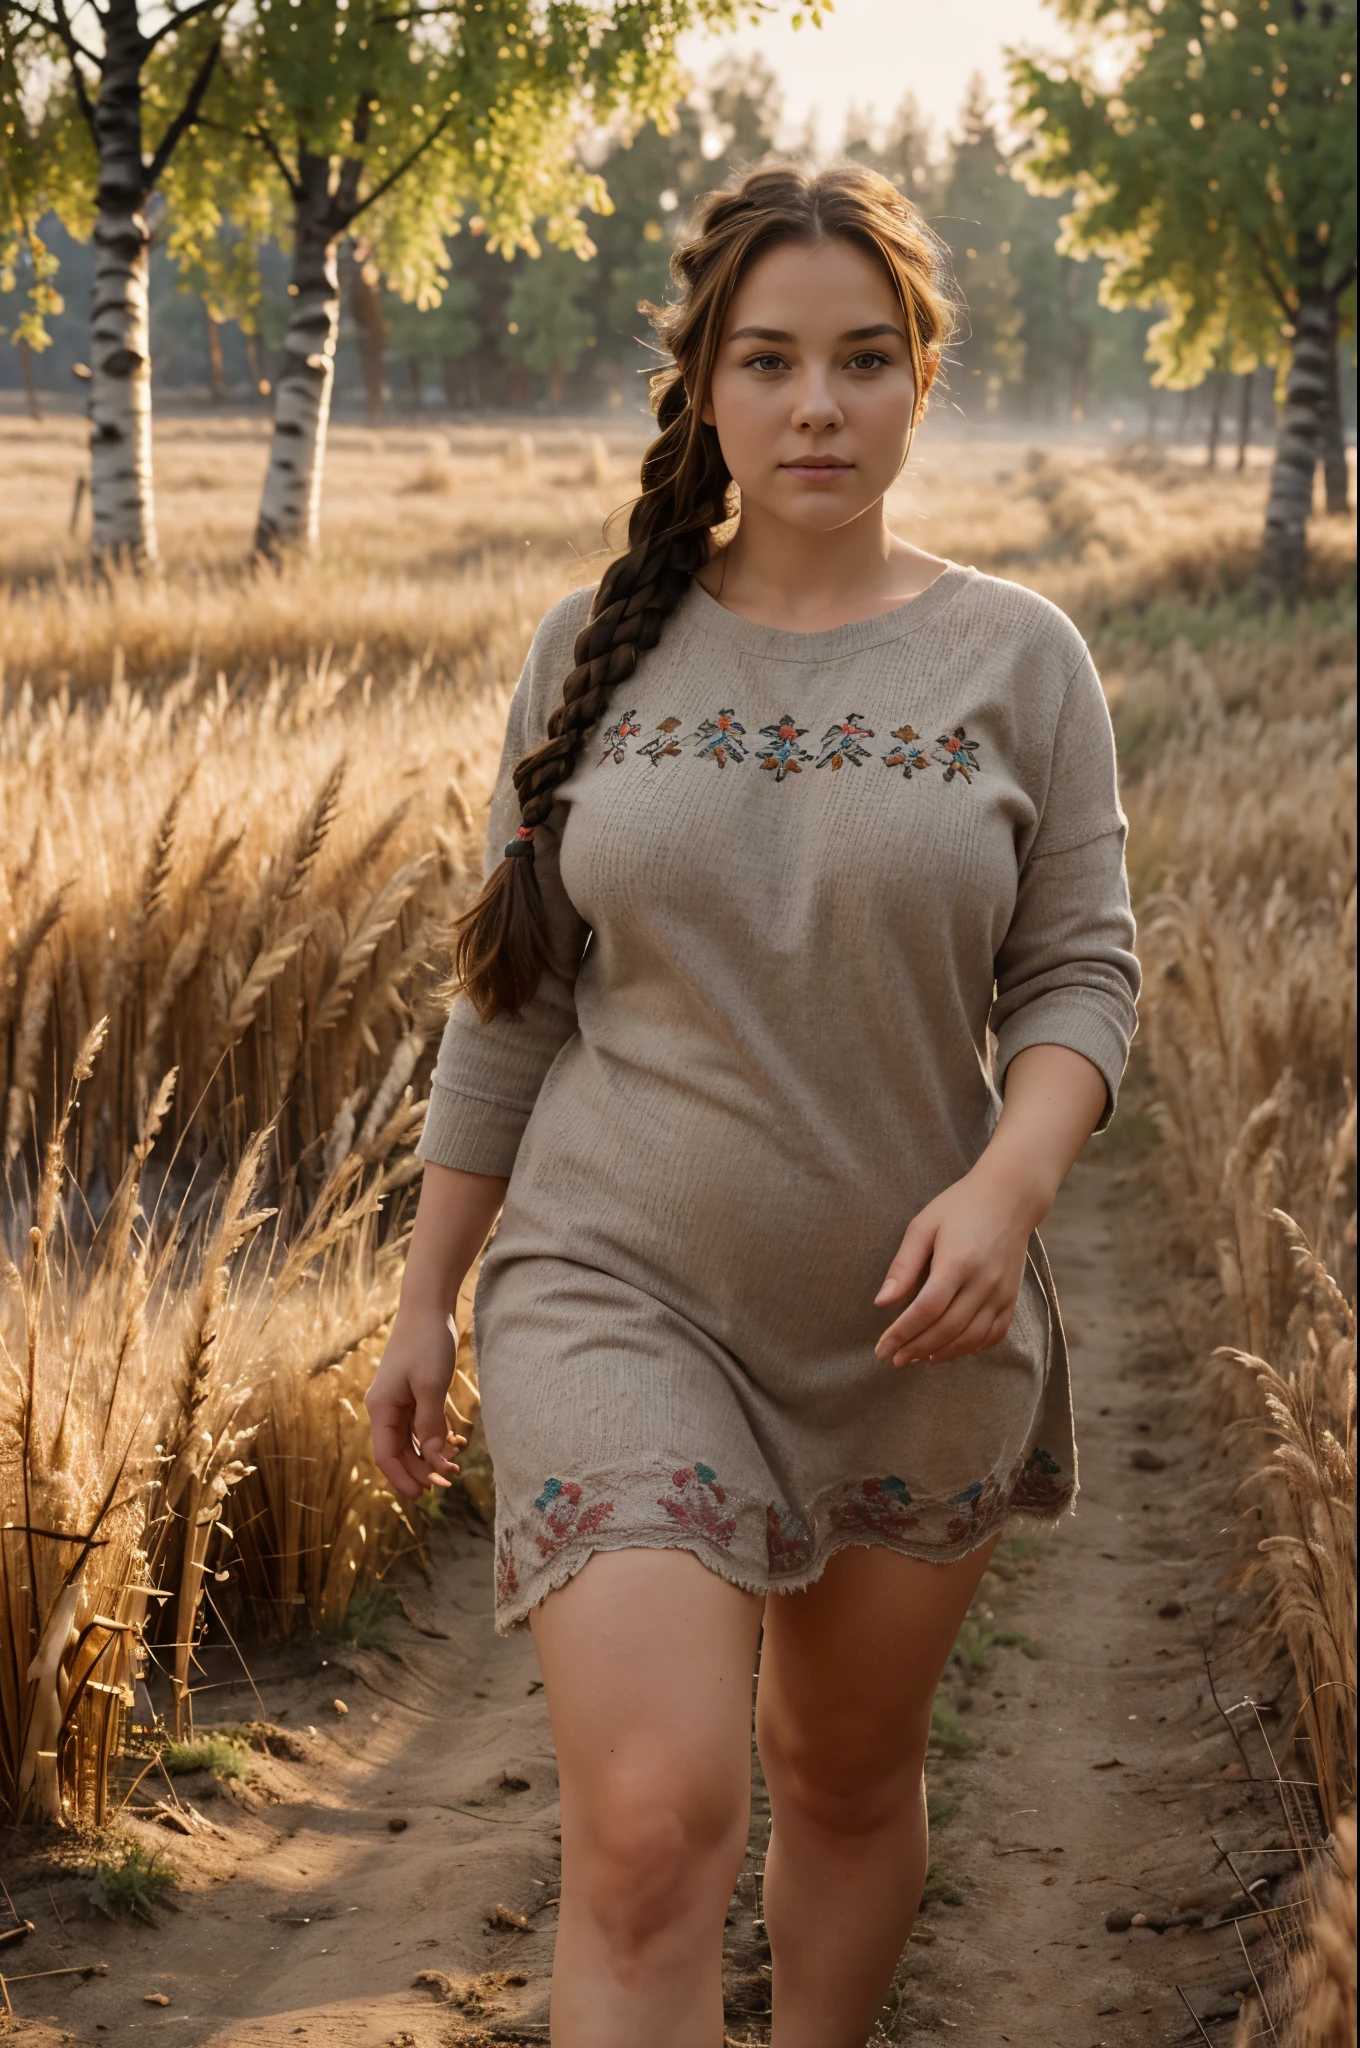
(946, 1730)
(223, 1755)
(939, 1891)
(975, 1642)
(130, 1880)
(365, 1620)
(940, 1808)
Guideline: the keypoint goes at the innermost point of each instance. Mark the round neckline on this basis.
(746, 635)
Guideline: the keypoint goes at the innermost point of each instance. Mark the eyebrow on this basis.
(852, 334)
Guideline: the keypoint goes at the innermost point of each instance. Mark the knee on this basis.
(845, 1787)
(647, 1852)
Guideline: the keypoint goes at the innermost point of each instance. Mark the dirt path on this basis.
(378, 1843)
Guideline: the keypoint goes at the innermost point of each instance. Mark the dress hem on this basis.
(513, 1612)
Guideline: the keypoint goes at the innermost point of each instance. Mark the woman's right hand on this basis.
(406, 1400)
(406, 1403)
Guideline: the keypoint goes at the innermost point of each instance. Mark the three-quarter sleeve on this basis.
(1066, 972)
(487, 1076)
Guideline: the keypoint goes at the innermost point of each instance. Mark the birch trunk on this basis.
(290, 508)
(1336, 472)
(122, 505)
(1298, 448)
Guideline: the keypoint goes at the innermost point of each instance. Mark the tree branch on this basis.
(400, 172)
(187, 14)
(186, 116)
(259, 133)
(70, 42)
(1268, 273)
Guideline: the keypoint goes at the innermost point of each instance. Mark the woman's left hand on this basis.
(959, 1268)
(962, 1260)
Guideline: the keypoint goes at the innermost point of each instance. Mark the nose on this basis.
(817, 410)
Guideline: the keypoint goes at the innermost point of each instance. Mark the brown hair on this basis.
(502, 947)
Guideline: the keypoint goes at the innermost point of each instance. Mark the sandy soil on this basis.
(387, 1877)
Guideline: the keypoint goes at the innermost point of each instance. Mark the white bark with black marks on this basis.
(1335, 467)
(1299, 447)
(121, 499)
(290, 507)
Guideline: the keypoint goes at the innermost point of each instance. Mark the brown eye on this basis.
(867, 359)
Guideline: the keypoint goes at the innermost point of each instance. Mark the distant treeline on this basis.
(552, 331)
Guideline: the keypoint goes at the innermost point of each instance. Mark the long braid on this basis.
(502, 944)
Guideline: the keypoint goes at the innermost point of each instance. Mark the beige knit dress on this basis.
(809, 894)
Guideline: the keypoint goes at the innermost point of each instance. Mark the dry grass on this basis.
(242, 811)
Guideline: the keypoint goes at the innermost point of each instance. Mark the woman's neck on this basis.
(778, 575)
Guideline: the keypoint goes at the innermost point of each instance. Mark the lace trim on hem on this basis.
(520, 1586)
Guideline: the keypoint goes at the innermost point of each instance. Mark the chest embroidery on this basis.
(845, 742)
(721, 739)
(783, 754)
(664, 746)
(617, 738)
(957, 755)
(909, 754)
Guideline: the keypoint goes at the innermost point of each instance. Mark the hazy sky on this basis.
(872, 52)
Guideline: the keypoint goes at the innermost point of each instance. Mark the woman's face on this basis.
(813, 393)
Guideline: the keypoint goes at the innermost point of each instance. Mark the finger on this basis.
(946, 1329)
(395, 1452)
(908, 1268)
(429, 1425)
(970, 1341)
(391, 1449)
(931, 1303)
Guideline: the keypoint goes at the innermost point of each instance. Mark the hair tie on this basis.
(522, 843)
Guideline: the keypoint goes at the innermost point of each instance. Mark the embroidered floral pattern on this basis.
(694, 1501)
(909, 754)
(783, 754)
(872, 1507)
(1042, 1482)
(957, 755)
(721, 739)
(617, 738)
(974, 1510)
(566, 1521)
(844, 742)
(788, 1539)
(664, 745)
(507, 1577)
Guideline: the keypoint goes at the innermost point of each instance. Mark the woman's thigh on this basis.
(647, 1659)
(849, 1667)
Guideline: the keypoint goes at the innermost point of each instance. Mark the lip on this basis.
(814, 467)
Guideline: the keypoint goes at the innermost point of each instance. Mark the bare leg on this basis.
(647, 1659)
(847, 1676)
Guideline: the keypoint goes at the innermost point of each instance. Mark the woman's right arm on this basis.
(406, 1400)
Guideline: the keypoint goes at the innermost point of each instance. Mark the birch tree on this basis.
(395, 120)
(1217, 179)
(129, 67)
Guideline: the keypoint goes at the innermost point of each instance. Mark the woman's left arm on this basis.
(1064, 1013)
(972, 1239)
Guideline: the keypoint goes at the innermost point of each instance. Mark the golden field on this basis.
(241, 810)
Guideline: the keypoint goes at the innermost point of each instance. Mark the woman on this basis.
(811, 810)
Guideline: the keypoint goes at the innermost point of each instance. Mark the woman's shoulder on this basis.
(555, 637)
(1018, 621)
